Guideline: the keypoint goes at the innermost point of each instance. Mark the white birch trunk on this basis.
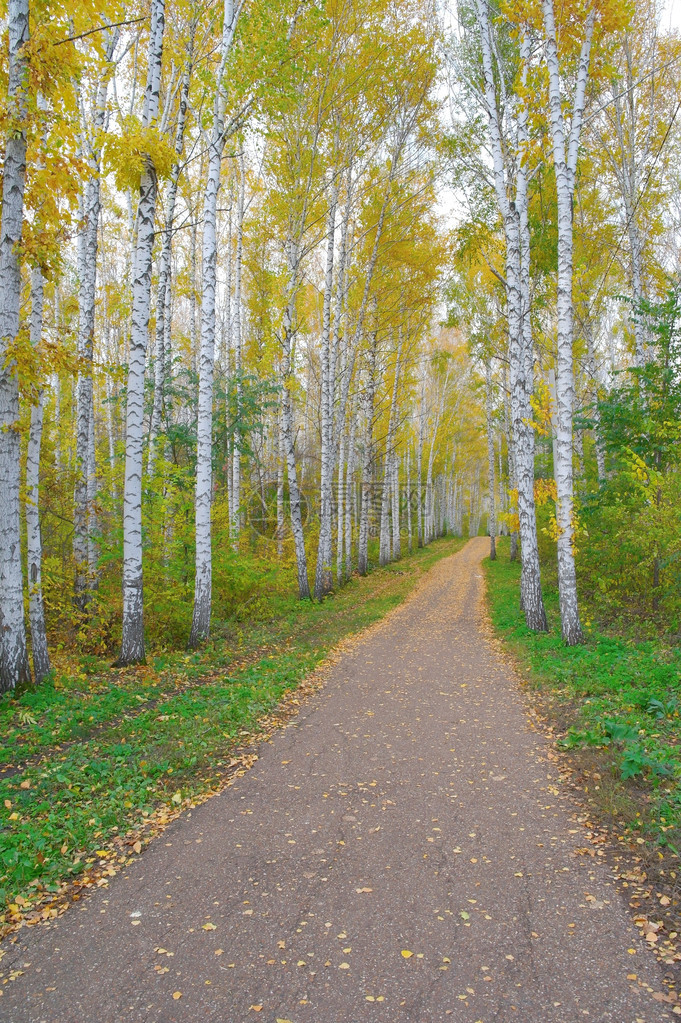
(397, 540)
(367, 464)
(349, 498)
(34, 550)
(14, 666)
(132, 642)
(281, 464)
(84, 514)
(162, 354)
(385, 539)
(491, 468)
(236, 333)
(565, 164)
(323, 573)
(514, 215)
(340, 502)
(408, 498)
(203, 584)
(295, 509)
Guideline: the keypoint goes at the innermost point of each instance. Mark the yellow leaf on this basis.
(256, 1008)
(137, 847)
(14, 816)
(209, 927)
(406, 954)
(177, 797)
(177, 994)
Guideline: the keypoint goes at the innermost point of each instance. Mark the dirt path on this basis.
(400, 852)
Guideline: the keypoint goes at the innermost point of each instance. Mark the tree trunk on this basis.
(397, 540)
(203, 582)
(132, 642)
(385, 539)
(295, 510)
(162, 356)
(323, 573)
(14, 666)
(565, 165)
(491, 468)
(367, 464)
(407, 473)
(514, 215)
(236, 335)
(349, 497)
(340, 501)
(36, 609)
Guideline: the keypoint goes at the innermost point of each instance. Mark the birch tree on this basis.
(511, 193)
(14, 666)
(34, 546)
(84, 518)
(565, 152)
(132, 641)
(491, 468)
(204, 454)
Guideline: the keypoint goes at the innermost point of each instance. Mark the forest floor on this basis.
(404, 848)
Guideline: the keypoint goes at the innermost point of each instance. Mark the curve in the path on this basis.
(400, 852)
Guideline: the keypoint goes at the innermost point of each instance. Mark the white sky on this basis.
(672, 16)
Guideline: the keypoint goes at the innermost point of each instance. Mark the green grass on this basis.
(614, 698)
(103, 759)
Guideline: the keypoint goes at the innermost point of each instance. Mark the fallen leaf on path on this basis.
(406, 954)
(361, 890)
(255, 1008)
(137, 847)
(177, 994)
(209, 927)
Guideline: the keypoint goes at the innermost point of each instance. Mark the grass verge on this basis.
(108, 751)
(615, 704)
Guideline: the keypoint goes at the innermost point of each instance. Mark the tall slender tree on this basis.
(14, 666)
(565, 153)
(204, 453)
(132, 641)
